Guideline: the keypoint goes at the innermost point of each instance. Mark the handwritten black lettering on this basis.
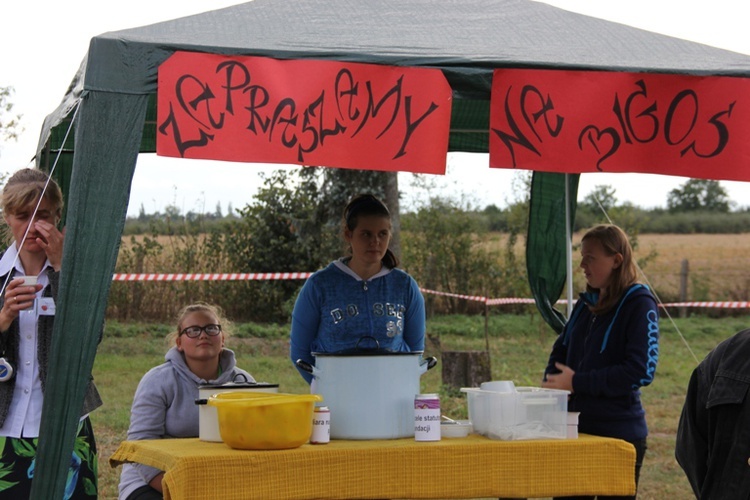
(205, 100)
(346, 89)
(374, 108)
(670, 122)
(517, 137)
(228, 69)
(411, 126)
(722, 135)
(593, 136)
(205, 95)
(634, 120)
(259, 98)
(625, 118)
(546, 106)
(182, 146)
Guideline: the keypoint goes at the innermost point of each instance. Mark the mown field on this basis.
(519, 346)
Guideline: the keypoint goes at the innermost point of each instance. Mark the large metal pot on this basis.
(370, 392)
(208, 418)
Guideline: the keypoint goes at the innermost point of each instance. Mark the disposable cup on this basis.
(498, 386)
(29, 280)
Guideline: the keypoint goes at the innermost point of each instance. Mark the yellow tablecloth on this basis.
(471, 467)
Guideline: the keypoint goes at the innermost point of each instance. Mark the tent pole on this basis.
(568, 247)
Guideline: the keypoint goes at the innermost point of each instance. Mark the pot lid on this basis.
(367, 346)
(240, 381)
(238, 385)
(367, 352)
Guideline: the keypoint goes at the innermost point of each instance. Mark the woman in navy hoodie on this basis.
(609, 348)
(360, 295)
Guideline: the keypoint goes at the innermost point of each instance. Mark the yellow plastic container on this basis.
(264, 421)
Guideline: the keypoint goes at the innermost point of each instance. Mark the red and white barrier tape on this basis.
(476, 298)
(720, 305)
(511, 300)
(302, 276)
(210, 276)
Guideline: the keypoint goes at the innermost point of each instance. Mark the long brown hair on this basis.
(613, 240)
(367, 205)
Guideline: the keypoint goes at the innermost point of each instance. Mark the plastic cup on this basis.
(29, 280)
(498, 386)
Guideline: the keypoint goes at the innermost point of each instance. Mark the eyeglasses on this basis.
(195, 330)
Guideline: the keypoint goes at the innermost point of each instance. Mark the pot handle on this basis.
(239, 375)
(201, 401)
(427, 363)
(431, 362)
(305, 366)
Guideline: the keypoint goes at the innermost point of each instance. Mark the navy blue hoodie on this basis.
(613, 356)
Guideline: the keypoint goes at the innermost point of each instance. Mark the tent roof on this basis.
(461, 34)
(466, 39)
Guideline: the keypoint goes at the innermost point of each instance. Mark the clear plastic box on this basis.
(527, 413)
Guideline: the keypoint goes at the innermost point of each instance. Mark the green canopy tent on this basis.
(112, 102)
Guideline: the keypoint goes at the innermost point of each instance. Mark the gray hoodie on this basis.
(164, 407)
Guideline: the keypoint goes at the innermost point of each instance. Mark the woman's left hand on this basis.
(562, 380)
(51, 241)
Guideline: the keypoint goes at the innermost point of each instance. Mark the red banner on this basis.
(596, 121)
(321, 113)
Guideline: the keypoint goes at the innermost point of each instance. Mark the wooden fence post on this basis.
(683, 287)
(465, 368)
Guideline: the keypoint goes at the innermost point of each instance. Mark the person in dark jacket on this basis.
(713, 437)
(609, 347)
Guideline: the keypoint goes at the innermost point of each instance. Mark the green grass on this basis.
(519, 347)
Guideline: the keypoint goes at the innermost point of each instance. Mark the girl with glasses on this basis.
(164, 403)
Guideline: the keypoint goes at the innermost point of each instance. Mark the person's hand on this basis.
(562, 380)
(155, 483)
(51, 241)
(17, 298)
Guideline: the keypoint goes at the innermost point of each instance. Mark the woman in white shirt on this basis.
(32, 207)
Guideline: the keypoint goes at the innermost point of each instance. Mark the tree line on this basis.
(698, 206)
(293, 225)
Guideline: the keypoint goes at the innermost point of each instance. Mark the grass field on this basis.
(519, 346)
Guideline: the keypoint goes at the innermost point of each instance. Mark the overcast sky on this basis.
(43, 43)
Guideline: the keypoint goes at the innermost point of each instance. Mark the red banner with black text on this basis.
(307, 112)
(597, 121)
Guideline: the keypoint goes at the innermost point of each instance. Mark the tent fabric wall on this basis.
(100, 188)
(466, 39)
(546, 241)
